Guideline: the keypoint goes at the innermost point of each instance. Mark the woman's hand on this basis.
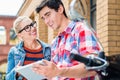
(18, 65)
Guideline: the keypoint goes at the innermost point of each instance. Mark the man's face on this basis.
(51, 17)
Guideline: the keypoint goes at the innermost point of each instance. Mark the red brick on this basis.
(7, 22)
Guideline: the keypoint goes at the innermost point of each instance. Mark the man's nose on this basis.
(46, 21)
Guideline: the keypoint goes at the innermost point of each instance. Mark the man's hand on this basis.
(49, 70)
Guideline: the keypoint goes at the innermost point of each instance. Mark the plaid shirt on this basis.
(77, 37)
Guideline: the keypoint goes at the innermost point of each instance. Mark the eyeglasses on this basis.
(27, 28)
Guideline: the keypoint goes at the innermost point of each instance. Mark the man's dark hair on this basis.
(52, 4)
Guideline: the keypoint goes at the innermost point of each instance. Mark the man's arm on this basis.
(77, 71)
(50, 70)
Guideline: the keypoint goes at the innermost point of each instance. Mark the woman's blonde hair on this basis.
(16, 24)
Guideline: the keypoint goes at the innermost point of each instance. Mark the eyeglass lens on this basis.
(28, 27)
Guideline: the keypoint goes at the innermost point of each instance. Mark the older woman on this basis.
(28, 50)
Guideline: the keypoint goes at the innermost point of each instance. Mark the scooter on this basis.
(106, 67)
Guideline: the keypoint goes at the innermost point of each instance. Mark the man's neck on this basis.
(64, 24)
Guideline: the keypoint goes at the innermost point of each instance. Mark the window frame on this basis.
(92, 16)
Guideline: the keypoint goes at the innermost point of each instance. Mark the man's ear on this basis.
(61, 9)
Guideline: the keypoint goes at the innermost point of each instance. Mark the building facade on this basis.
(6, 23)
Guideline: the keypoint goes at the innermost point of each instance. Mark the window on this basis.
(93, 13)
(13, 37)
(12, 34)
(2, 35)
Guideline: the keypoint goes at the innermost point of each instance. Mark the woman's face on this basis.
(28, 30)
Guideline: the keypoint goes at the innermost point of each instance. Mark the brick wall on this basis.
(108, 22)
(102, 22)
(7, 22)
(42, 29)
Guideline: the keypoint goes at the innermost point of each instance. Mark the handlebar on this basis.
(92, 62)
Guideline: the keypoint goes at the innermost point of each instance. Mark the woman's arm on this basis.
(10, 73)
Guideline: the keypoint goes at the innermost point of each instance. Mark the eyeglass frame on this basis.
(30, 25)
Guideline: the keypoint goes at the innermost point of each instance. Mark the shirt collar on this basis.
(68, 29)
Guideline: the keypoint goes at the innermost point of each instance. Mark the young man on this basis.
(72, 36)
